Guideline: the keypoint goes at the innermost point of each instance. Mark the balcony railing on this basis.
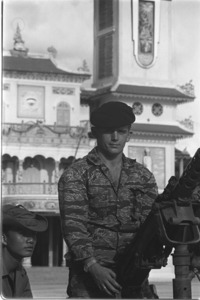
(38, 133)
(29, 188)
(23, 128)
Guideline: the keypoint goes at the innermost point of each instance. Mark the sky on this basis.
(67, 25)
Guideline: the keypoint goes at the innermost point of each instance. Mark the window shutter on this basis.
(105, 39)
(105, 56)
(63, 114)
(105, 14)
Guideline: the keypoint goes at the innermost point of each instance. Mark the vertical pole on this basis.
(181, 283)
(50, 242)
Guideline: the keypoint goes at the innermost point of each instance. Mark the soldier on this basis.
(195, 249)
(20, 227)
(104, 198)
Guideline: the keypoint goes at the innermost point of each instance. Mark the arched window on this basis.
(63, 114)
(31, 172)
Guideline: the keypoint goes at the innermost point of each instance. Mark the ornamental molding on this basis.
(150, 97)
(36, 204)
(63, 90)
(38, 133)
(142, 142)
(45, 76)
(161, 134)
(187, 123)
(187, 88)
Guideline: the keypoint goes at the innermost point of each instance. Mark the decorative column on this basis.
(20, 171)
(19, 178)
(56, 174)
(3, 176)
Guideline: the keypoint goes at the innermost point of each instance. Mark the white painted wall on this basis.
(10, 100)
(129, 70)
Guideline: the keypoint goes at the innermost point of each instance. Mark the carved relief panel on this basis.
(30, 102)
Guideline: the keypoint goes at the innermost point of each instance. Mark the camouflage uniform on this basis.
(98, 218)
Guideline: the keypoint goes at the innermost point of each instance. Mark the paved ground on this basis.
(51, 283)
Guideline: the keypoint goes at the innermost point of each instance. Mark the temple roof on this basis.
(155, 130)
(180, 94)
(19, 61)
(161, 130)
(154, 91)
(39, 65)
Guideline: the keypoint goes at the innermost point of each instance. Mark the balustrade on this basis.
(20, 188)
(38, 133)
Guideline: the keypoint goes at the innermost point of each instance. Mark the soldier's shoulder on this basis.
(78, 166)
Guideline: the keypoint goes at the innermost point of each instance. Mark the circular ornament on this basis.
(157, 109)
(137, 108)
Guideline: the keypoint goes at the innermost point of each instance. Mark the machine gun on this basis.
(172, 223)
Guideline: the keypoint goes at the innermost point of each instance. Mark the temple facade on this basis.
(133, 64)
(44, 129)
(46, 109)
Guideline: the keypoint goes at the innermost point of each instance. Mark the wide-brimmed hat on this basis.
(18, 215)
(112, 115)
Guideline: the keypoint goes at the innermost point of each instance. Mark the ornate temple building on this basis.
(44, 128)
(133, 63)
(46, 110)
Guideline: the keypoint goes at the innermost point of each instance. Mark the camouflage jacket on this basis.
(97, 219)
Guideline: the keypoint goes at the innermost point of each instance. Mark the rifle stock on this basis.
(171, 222)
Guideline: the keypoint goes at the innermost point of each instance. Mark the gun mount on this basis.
(172, 223)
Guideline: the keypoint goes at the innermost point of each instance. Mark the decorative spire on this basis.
(19, 48)
(84, 67)
(17, 37)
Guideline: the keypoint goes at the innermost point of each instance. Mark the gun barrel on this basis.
(189, 179)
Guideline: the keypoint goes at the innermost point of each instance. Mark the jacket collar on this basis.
(9, 262)
(94, 158)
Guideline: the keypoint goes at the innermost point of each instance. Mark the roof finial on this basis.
(52, 54)
(17, 37)
(19, 48)
(84, 66)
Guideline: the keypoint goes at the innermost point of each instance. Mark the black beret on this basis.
(112, 114)
(18, 215)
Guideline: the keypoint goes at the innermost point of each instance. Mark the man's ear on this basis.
(4, 239)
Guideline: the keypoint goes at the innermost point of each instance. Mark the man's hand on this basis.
(105, 279)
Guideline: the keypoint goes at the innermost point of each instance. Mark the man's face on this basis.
(20, 242)
(112, 141)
